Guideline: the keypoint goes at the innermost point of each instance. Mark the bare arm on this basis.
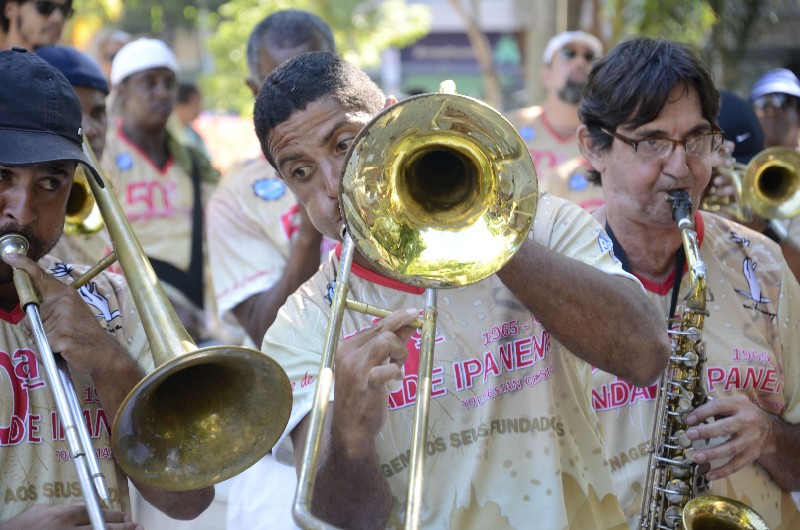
(791, 253)
(350, 490)
(257, 313)
(781, 458)
(604, 319)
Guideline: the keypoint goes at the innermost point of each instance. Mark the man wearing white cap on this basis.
(776, 99)
(161, 184)
(549, 129)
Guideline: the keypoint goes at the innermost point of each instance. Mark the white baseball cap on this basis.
(568, 37)
(140, 55)
(778, 81)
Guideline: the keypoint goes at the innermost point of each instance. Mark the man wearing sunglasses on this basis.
(33, 24)
(649, 129)
(549, 129)
(776, 99)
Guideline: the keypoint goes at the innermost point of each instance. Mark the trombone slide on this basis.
(81, 450)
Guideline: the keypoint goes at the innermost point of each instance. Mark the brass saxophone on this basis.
(673, 495)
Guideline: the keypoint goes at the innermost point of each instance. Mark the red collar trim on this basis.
(14, 316)
(666, 286)
(380, 279)
(553, 132)
(162, 170)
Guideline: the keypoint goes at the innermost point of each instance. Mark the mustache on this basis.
(36, 245)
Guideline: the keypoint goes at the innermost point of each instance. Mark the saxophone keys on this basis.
(694, 334)
(677, 491)
(691, 359)
(682, 439)
(673, 516)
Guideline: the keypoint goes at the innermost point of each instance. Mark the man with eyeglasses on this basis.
(776, 99)
(649, 128)
(33, 24)
(549, 129)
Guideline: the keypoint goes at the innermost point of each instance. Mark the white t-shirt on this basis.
(34, 455)
(512, 438)
(753, 348)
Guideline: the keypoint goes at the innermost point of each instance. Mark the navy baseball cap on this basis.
(40, 113)
(79, 68)
(741, 126)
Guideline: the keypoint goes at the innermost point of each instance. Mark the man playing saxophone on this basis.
(95, 329)
(512, 437)
(649, 130)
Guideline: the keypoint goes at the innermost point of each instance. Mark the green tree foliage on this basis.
(682, 20)
(362, 30)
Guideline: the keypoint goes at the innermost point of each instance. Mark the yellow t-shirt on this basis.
(753, 348)
(512, 439)
(560, 167)
(34, 455)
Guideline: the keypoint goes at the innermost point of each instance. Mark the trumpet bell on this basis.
(771, 183)
(438, 191)
(198, 418)
(83, 215)
(709, 512)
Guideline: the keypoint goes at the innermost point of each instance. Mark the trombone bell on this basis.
(189, 424)
(438, 191)
(203, 415)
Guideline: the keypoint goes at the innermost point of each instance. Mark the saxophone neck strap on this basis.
(680, 262)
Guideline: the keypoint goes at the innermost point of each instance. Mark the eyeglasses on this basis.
(702, 144)
(569, 54)
(773, 101)
(46, 8)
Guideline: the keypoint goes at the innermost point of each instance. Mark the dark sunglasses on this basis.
(569, 54)
(773, 101)
(46, 8)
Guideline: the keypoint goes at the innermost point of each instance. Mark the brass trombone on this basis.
(90, 476)
(186, 425)
(768, 186)
(423, 182)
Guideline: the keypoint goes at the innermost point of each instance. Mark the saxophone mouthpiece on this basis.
(681, 207)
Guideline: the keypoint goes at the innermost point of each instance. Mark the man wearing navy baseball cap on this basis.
(95, 328)
(775, 97)
(85, 240)
(89, 83)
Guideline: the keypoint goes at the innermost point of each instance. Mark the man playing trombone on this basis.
(512, 439)
(94, 329)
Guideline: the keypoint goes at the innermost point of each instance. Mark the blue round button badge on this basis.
(269, 189)
(124, 161)
(578, 182)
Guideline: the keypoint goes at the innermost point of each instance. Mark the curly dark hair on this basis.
(632, 83)
(307, 78)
